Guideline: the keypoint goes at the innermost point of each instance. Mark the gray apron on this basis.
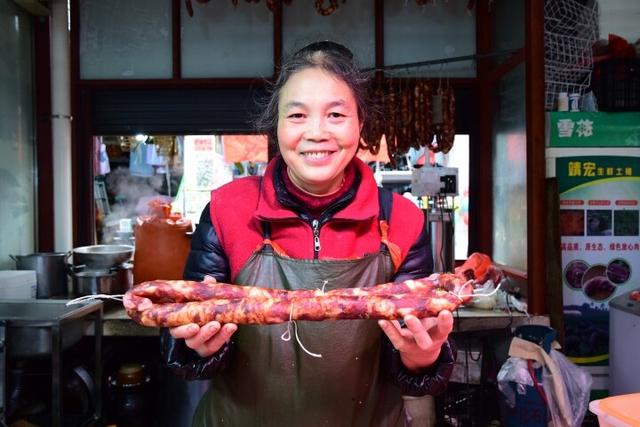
(272, 382)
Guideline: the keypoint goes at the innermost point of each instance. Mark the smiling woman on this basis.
(318, 130)
(315, 219)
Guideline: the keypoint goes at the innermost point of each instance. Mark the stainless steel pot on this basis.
(124, 277)
(101, 256)
(92, 282)
(51, 272)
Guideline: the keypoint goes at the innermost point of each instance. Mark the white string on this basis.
(286, 336)
(85, 298)
(493, 292)
(461, 287)
(324, 284)
(295, 327)
(490, 293)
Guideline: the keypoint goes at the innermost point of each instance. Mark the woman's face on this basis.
(318, 129)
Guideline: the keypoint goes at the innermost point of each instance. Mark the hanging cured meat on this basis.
(391, 114)
(444, 110)
(374, 127)
(328, 9)
(412, 116)
(425, 114)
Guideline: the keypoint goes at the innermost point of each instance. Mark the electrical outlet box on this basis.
(434, 181)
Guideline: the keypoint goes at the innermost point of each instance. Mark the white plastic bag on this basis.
(577, 388)
(513, 370)
(565, 386)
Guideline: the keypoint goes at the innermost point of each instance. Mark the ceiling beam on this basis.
(34, 7)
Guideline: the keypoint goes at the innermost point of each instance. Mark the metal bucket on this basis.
(51, 272)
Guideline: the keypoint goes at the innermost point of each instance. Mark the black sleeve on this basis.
(419, 261)
(206, 258)
(433, 381)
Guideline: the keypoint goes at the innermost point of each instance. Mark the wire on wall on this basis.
(440, 61)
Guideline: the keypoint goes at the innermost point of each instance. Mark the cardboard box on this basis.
(18, 284)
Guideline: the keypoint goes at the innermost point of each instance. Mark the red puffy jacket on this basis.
(349, 229)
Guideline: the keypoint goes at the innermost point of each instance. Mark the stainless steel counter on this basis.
(476, 319)
(45, 328)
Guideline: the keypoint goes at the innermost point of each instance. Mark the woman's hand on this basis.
(419, 342)
(205, 340)
(209, 338)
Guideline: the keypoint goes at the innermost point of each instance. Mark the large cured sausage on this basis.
(162, 304)
(172, 303)
(169, 291)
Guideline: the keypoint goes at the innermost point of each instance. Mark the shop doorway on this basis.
(141, 175)
(138, 175)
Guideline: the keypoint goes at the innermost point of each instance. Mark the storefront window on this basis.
(122, 39)
(213, 36)
(352, 24)
(443, 29)
(17, 195)
(138, 175)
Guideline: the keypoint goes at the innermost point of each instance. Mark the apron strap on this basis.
(267, 245)
(385, 203)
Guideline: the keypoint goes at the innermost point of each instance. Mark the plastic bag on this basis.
(551, 392)
(514, 369)
(577, 388)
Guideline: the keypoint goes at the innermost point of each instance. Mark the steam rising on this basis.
(130, 197)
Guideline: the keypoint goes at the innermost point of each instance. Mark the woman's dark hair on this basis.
(326, 55)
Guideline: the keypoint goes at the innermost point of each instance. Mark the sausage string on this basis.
(286, 336)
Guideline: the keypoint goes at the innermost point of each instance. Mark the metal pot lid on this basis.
(103, 249)
(42, 254)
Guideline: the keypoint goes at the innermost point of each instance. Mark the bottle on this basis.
(563, 101)
(574, 102)
(131, 401)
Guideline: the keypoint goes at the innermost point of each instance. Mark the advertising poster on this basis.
(204, 170)
(599, 129)
(600, 245)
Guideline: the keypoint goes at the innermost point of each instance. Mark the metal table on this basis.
(42, 327)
